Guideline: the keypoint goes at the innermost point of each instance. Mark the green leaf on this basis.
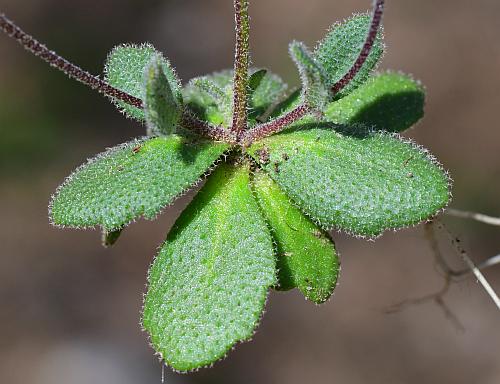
(256, 79)
(125, 68)
(314, 90)
(210, 97)
(218, 109)
(269, 91)
(307, 258)
(363, 185)
(133, 179)
(338, 51)
(388, 101)
(161, 107)
(109, 238)
(289, 103)
(209, 283)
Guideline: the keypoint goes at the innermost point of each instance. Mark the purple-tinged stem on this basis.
(274, 126)
(378, 11)
(70, 69)
(205, 129)
(241, 64)
(277, 125)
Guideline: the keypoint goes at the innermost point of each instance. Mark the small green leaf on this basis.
(161, 107)
(269, 91)
(109, 238)
(218, 110)
(210, 97)
(389, 101)
(289, 103)
(125, 68)
(209, 283)
(363, 185)
(338, 51)
(134, 179)
(256, 79)
(307, 258)
(314, 90)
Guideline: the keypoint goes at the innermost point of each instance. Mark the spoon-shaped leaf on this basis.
(209, 283)
(307, 258)
(131, 180)
(363, 185)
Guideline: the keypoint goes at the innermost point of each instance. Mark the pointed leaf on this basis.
(218, 111)
(131, 180)
(314, 89)
(161, 107)
(289, 103)
(269, 91)
(338, 51)
(389, 101)
(363, 185)
(109, 238)
(307, 258)
(209, 283)
(125, 68)
(256, 79)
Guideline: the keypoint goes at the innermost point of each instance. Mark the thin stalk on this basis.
(277, 125)
(73, 71)
(378, 12)
(241, 65)
(70, 69)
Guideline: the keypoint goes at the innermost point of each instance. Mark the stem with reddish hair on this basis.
(277, 125)
(70, 69)
(241, 64)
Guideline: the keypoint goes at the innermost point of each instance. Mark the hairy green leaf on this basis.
(269, 91)
(203, 96)
(388, 101)
(307, 258)
(338, 51)
(363, 185)
(134, 179)
(161, 107)
(256, 79)
(289, 103)
(314, 90)
(209, 283)
(125, 68)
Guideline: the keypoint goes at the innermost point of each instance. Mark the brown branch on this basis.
(70, 69)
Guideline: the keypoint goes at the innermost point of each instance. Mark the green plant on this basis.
(283, 169)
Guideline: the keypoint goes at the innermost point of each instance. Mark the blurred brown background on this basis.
(70, 309)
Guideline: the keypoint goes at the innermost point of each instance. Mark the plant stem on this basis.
(277, 125)
(267, 129)
(378, 11)
(70, 69)
(73, 71)
(203, 128)
(241, 64)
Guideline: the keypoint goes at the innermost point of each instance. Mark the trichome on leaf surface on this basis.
(282, 168)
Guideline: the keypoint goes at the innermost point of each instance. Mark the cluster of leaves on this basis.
(260, 220)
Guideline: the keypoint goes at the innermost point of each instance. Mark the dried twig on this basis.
(473, 216)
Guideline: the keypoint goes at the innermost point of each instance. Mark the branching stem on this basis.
(241, 65)
(277, 125)
(70, 69)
